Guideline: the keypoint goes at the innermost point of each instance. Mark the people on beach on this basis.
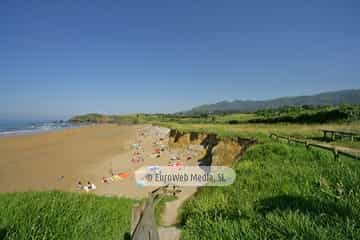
(89, 187)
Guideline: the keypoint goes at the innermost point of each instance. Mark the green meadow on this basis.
(281, 192)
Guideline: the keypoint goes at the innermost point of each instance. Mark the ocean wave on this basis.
(16, 129)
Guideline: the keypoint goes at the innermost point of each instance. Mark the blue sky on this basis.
(60, 58)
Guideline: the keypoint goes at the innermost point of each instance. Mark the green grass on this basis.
(235, 117)
(309, 114)
(250, 125)
(261, 131)
(59, 215)
(158, 118)
(290, 114)
(281, 192)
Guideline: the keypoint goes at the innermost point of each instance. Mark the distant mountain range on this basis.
(327, 98)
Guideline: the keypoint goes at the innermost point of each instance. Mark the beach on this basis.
(59, 160)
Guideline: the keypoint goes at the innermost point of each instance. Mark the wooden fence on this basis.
(143, 222)
(337, 152)
(340, 134)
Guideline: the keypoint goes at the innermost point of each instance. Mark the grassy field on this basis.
(261, 131)
(296, 114)
(58, 215)
(281, 192)
(254, 125)
(157, 118)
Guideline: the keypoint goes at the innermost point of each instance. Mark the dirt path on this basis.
(170, 215)
(169, 233)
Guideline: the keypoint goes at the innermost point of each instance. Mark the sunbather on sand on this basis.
(89, 187)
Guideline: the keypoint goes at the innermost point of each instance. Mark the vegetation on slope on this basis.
(281, 192)
(300, 114)
(327, 98)
(59, 215)
(301, 122)
(309, 114)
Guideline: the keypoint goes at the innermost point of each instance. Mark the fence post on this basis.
(336, 153)
(332, 136)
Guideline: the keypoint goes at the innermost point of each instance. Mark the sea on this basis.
(23, 127)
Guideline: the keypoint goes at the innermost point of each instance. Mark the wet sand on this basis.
(58, 160)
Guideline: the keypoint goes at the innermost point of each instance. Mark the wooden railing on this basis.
(337, 152)
(340, 134)
(143, 222)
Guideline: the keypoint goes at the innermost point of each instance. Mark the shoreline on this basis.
(35, 162)
(58, 160)
(26, 132)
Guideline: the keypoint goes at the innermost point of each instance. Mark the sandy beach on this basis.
(58, 160)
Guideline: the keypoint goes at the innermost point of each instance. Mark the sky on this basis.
(63, 58)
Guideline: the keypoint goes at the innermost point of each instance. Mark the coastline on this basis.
(59, 160)
(35, 162)
(38, 127)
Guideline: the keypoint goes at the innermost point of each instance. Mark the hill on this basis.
(326, 98)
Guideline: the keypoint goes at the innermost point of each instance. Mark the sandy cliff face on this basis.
(218, 151)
